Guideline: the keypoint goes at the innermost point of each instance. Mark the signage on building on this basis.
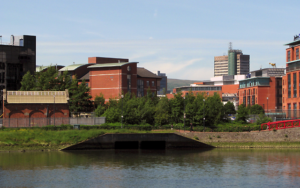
(296, 37)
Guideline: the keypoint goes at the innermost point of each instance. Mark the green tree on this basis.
(177, 105)
(242, 113)
(28, 82)
(229, 108)
(162, 111)
(215, 111)
(80, 97)
(256, 109)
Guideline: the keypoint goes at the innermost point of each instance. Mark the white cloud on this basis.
(189, 58)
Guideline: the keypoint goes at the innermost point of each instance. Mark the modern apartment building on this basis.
(263, 88)
(291, 81)
(16, 58)
(235, 63)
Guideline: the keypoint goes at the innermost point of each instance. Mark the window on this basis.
(295, 85)
(128, 83)
(153, 84)
(289, 56)
(21, 43)
(140, 88)
(86, 84)
(289, 86)
(297, 53)
(147, 83)
(253, 99)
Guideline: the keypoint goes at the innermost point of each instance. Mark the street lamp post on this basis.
(184, 114)
(54, 108)
(122, 113)
(204, 115)
(267, 106)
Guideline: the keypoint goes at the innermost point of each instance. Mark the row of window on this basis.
(248, 92)
(253, 100)
(289, 55)
(292, 85)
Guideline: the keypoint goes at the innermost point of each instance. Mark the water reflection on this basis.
(152, 168)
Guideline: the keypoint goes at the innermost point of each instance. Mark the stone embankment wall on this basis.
(284, 135)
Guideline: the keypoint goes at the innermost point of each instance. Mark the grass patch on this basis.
(20, 138)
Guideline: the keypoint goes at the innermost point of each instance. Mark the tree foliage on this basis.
(242, 113)
(229, 108)
(256, 109)
(50, 80)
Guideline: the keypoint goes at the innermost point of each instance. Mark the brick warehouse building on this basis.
(114, 78)
(263, 88)
(291, 81)
(35, 104)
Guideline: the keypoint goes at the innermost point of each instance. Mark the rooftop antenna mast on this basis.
(230, 46)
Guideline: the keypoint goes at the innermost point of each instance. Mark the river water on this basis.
(152, 168)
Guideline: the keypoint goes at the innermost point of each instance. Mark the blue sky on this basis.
(179, 38)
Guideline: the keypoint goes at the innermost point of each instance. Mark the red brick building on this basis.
(113, 79)
(291, 81)
(263, 88)
(35, 104)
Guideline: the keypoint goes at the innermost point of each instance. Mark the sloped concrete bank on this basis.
(279, 138)
(139, 141)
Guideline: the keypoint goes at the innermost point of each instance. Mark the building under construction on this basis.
(235, 63)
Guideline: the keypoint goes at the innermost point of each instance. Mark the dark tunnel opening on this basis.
(153, 145)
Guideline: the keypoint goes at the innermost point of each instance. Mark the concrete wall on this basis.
(108, 141)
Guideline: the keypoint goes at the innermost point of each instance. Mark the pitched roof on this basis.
(142, 72)
(85, 77)
(71, 67)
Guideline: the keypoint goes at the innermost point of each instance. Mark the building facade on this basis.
(235, 63)
(35, 104)
(291, 81)
(163, 83)
(16, 58)
(263, 88)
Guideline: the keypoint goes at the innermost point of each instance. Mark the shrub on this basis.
(262, 118)
(196, 138)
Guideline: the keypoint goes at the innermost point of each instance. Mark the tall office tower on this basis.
(163, 83)
(16, 58)
(235, 63)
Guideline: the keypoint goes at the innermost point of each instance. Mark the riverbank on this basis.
(285, 138)
(42, 140)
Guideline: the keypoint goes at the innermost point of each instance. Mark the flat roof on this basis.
(293, 43)
(36, 97)
(253, 78)
(41, 68)
(110, 65)
(71, 67)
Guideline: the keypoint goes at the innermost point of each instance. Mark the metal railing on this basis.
(41, 122)
(280, 125)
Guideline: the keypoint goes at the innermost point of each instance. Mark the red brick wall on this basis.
(111, 81)
(230, 88)
(152, 88)
(292, 99)
(35, 110)
(261, 94)
(101, 60)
